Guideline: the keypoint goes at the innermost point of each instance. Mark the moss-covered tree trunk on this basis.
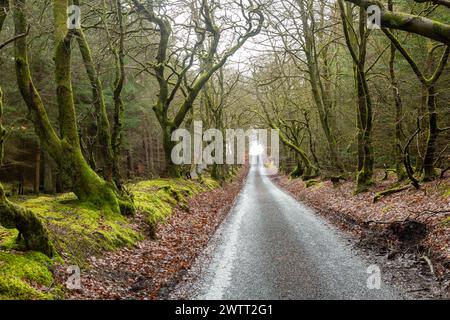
(399, 168)
(12, 216)
(109, 138)
(307, 169)
(433, 132)
(357, 44)
(65, 148)
(119, 109)
(429, 28)
(171, 169)
(98, 98)
(31, 228)
(364, 177)
(320, 94)
(422, 122)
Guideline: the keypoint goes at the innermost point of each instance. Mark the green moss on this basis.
(24, 276)
(364, 180)
(157, 197)
(8, 238)
(79, 230)
(446, 222)
(311, 182)
(386, 209)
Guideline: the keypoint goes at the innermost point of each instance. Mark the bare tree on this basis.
(180, 76)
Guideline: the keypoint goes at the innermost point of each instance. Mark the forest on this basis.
(92, 205)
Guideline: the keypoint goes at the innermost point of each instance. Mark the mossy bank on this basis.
(79, 231)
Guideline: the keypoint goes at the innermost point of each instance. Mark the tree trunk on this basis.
(320, 94)
(49, 180)
(433, 131)
(357, 45)
(130, 173)
(30, 228)
(364, 177)
(64, 149)
(422, 136)
(171, 170)
(145, 147)
(37, 170)
(399, 168)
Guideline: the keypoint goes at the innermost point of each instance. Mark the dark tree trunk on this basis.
(48, 174)
(37, 170)
(130, 173)
(433, 132)
(171, 169)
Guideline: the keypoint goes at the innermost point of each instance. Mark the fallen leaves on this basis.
(427, 206)
(153, 267)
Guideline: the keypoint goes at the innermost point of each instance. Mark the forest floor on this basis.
(154, 266)
(409, 232)
(115, 253)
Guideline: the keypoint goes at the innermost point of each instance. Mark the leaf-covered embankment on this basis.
(412, 222)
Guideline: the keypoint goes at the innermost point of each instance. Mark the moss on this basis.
(446, 222)
(297, 172)
(364, 180)
(311, 182)
(386, 209)
(25, 276)
(79, 230)
(157, 197)
(8, 238)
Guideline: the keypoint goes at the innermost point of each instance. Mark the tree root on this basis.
(30, 227)
(126, 202)
(388, 192)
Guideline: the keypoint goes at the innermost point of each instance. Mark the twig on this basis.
(429, 264)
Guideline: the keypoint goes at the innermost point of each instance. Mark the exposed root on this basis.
(388, 192)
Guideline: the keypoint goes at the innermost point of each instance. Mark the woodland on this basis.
(88, 109)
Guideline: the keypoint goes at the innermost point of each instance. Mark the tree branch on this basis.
(407, 22)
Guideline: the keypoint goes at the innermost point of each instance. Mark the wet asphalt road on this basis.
(273, 247)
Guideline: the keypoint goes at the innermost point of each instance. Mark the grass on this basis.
(79, 231)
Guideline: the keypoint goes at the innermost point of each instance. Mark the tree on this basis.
(357, 46)
(314, 41)
(64, 147)
(12, 216)
(109, 139)
(280, 118)
(166, 67)
(399, 168)
(430, 89)
(214, 101)
(411, 23)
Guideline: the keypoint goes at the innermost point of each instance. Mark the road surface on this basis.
(273, 247)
